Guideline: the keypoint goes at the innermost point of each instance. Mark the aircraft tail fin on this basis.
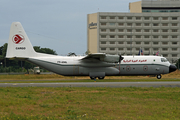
(19, 45)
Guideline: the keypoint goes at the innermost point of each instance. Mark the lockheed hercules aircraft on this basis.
(97, 65)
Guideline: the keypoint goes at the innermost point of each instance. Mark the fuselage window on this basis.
(163, 60)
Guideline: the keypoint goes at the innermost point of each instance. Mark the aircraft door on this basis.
(76, 70)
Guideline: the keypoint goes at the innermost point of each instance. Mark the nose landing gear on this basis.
(158, 76)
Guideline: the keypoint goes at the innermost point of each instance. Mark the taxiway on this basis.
(94, 84)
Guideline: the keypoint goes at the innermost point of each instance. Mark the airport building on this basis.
(151, 25)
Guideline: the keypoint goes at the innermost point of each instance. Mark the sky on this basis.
(60, 25)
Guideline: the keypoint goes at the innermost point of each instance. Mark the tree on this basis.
(44, 50)
(178, 63)
(87, 52)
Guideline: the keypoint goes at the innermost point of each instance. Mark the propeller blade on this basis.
(120, 58)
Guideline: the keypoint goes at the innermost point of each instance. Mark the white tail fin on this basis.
(19, 45)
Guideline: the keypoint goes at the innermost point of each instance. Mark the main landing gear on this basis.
(100, 78)
(158, 76)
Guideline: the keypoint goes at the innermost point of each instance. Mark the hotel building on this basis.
(151, 25)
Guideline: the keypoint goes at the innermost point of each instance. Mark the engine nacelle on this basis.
(111, 58)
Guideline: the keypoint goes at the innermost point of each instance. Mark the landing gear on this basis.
(100, 78)
(159, 76)
(92, 78)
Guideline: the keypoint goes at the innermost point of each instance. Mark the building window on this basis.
(174, 49)
(174, 36)
(103, 17)
(155, 30)
(165, 49)
(121, 36)
(129, 36)
(112, 42)
(128, 48)
(174, 43)
(112, 30)
(146, 36)
(138, 24)
(164, 24)
(174, 18)
(146, 24)
(137, 49)
(155, 18)
(165, 55)
(146, 43)
(146, 18)
(112, 36)
(164, 36)
(120, 48)
(129, 18)
(165, 30)
(138, 36)
(120, 17)
(174, 30)
(155, 36)
(112, 24)
(138, 43)
(138, 30)
(174, 55)
(164, 43)
(121, 24)
(103, 36)
(129, 24)
(103, 42)
(103, 48)
(120, 30)
(146, 49)
(103, 30)
(146, 30)
(112, 17)
(120, 42)
(165, 18)
(129, 30)
(155, 49)
(155, 24)
(138, 18)
(128, 42)
(103, 24)
(112, 48)
(155, 43)
(174, 24)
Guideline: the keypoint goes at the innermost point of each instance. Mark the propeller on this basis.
(120, 59)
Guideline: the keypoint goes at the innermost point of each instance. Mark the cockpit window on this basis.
(163, 60)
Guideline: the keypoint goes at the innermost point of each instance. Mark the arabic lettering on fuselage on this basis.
(134, 61)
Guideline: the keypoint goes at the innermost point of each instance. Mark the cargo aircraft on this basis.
(96, 65)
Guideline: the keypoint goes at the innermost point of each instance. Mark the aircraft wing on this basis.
(94, 56)
(104, 57)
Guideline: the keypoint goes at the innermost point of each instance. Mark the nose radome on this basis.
(172, 68)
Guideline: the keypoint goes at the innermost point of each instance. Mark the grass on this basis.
(64, 103)
(89, 103)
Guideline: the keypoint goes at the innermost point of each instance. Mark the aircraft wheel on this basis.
(100, 78)
(92, 78)
(159, 76)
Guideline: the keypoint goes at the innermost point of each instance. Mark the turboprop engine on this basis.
(112, 58)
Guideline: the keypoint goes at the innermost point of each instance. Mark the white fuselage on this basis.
(130, 65)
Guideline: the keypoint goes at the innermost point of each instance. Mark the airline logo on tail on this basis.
(18, 39)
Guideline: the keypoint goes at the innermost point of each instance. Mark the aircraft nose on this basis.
(172, 68)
